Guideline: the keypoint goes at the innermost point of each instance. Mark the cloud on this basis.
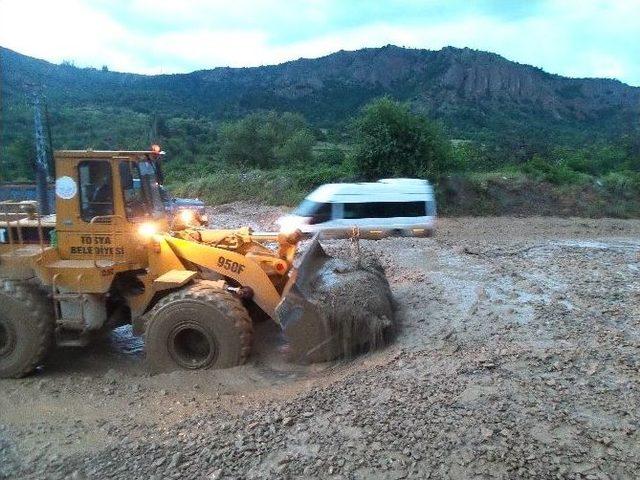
(570, 37)
(66, 30)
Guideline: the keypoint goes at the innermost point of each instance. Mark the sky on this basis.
(577, 38)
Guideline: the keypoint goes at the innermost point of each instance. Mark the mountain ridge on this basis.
(338, 52)
(476, 95)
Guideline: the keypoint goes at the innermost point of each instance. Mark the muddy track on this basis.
(518, 357)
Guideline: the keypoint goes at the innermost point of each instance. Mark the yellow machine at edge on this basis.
(110, 256)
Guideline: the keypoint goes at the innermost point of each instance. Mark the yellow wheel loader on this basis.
(110, 257)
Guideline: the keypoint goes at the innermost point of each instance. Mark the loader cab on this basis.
(102, 198)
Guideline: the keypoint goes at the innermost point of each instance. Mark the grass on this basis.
(282, 186)
(533, 188)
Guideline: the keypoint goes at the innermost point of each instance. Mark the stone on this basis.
(216, 474)
(287, 421)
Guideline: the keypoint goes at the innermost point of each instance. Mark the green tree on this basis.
(288, 124)
(331, 156)
(297, 148)
(392, 141)
(248, 142)
(18, 161)
(264, 139)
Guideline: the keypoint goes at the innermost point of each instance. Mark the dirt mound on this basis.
(337, 307)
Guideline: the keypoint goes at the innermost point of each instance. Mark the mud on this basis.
(517, 357)
(355, 300)
(244, 214)
(338, 307)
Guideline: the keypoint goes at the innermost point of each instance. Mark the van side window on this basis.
(96, 189)
(384, 210)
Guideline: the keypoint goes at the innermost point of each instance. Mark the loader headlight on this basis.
(187, 217)
(147, 229)
(290, 238)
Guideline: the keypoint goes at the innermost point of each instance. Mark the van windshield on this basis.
(318, 211)
(309, 208)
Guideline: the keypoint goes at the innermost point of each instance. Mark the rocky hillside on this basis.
(476, 95)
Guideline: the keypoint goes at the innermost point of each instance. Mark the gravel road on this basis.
(518, 357)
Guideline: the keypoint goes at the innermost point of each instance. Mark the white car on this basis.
(388, 207)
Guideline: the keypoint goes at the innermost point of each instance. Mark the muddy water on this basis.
(531, 324)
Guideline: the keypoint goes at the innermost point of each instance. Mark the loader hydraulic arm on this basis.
(240, 256)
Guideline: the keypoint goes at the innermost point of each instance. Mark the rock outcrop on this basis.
(470, 91)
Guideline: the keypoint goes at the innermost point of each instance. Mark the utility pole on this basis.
(43, 175)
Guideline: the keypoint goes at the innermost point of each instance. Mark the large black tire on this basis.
(26, 328)
(197, 327)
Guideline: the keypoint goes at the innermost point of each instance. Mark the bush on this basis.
(330, 156)
(282, 186)
(624, 183)
(297, 148)
(392, 141)
(265, 140)
(557, 173)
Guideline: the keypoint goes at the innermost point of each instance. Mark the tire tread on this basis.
(32, 296)
(221, 300)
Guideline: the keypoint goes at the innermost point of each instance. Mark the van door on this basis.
(356, 215)
(331, 226)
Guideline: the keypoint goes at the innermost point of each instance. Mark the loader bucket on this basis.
(335, 307)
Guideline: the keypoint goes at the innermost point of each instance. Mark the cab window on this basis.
(135, 204)
(140, 190)
(96, 189)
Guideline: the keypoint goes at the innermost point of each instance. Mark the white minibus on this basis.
(388, 207)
